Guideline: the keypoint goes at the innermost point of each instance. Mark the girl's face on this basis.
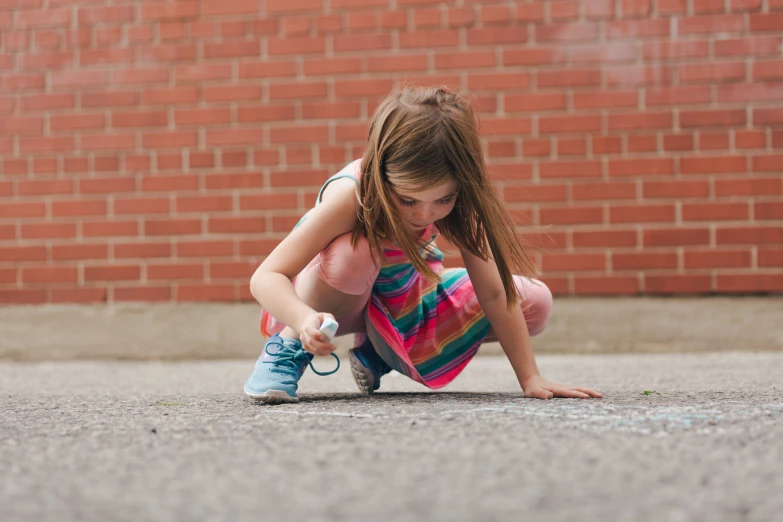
(420, 208)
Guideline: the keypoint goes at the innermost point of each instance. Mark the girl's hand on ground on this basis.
(539, 388)
(314, 341)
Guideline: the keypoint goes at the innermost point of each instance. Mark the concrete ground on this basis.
(142, 441)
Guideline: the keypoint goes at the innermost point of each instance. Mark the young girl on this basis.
(365, 255)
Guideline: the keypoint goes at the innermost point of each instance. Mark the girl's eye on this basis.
(407, 202)
(446, 201)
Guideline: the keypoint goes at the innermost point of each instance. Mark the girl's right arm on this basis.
(271, 283)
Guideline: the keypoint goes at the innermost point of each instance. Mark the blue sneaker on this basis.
(278, 370)
(367, 367)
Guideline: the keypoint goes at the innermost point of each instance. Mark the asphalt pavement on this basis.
(696, 437)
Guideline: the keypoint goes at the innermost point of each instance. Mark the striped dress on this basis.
(426, 330)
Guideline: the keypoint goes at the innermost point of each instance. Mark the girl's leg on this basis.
(339, 281)
(536, 305)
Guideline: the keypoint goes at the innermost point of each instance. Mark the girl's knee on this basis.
(537, 305)
(347, 269)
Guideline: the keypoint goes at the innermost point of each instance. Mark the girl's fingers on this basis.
(588, 391)
(571, 393)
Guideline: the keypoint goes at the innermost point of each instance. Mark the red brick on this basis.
(711, 72)
(300, 134)
(172, 227)
(606, 144)
(712, 118)
(146, 294)
(713, 165)
(281, 6)
(606, 285)
(22, 296)
(571, 215)
(232, 270)
(643, 143)
(535, 193)
(641, 214)
(20, 253)
(748, 46)
(49, 274)
(169, 183)
(141, 206)
(603, 53)
(766, 22)
(604, 238)
(330, 110)
(22, 210)
(607, 99)
(641, 167)
(751, 139)
(678, 95)
(771, 163)
(237, 225)
(711, 24)
(183, 9)
(750, 235)
(638, 28)
(49, 231)
(714, 140)
(498, 81)
(768, 210)
(78, 208)
(112, 273)
(202, 248)
(204, 204)
(701, 259)
(534, 102)
(236, 7)
(27, 19)
(750, 283)
(206, 116)
(362, 42)
(571, 147)
(676, 237)
(673, 50)
(749, 187)
(496, 35)
(603, 191)
(206, 291)
(570, 32)
(568, 169)
(234, 181)
(45, 187)
(714, 211)
(572, 262)
(643, 120)
(746, 92)
(638, 75)
(141, 250)
(770, 257)
(677, 284)
(676, 189)
(80, 251)
(109, 228)
(267, 69)
(643, 260)
(531, 147)
(569, 124)
(569, 78)
(175, 271)
(767, 116)
(534, 56)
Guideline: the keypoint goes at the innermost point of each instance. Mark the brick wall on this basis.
(158, 150)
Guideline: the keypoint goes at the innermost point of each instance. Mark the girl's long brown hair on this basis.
(424, 137)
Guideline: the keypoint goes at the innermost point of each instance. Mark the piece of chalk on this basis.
(329, 328)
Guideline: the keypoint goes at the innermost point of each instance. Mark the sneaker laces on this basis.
(289, 357)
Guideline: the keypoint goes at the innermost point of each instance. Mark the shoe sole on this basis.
(364, 378)
(272, 397)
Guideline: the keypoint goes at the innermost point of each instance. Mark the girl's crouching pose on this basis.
(365, 255)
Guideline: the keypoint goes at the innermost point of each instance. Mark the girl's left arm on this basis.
(511, 331)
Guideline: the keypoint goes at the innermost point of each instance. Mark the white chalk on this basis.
(329, 328)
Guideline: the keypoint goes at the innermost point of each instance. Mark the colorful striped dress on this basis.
(426, 330)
